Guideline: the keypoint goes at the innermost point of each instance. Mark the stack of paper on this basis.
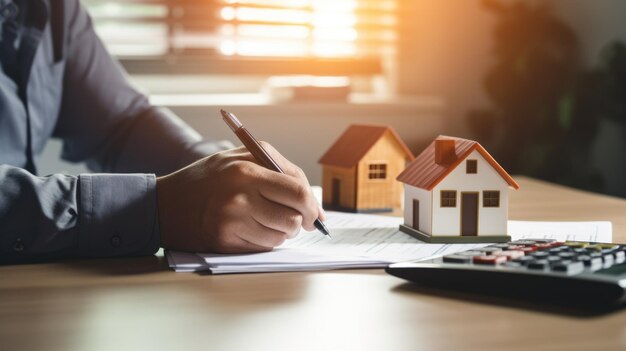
(366, 241)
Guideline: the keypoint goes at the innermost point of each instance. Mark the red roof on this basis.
(425, 173)
(355, 142)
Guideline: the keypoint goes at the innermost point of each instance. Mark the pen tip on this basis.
(321, 227)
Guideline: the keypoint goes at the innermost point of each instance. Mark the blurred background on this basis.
(541, 84)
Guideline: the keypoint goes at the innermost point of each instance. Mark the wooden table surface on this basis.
(139, 304)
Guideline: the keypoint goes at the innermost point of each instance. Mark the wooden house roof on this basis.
(425, 173)
(355, 142)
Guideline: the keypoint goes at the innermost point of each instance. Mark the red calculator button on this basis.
(489, 259)
(510, 254)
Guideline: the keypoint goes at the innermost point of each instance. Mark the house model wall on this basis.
(455, 191)
(360, 170)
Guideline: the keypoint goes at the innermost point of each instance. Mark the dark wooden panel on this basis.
(469, 214)
(416, 214)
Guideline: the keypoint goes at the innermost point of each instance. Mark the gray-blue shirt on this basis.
(69, 87)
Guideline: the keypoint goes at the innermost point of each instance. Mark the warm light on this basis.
(324, 28)
(293, 32)
(270, 48)
(228, 13)
(334, 5)
(343, 34)
(329, 49)
(271, 15)
(333, 19)
(228, 48)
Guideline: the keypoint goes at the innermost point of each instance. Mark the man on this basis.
(57, 80)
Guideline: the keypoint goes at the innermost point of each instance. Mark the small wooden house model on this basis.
(360, 170)
(454, 191)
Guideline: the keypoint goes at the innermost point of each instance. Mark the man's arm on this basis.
(107, 122)
(61, 216)
(223, 203)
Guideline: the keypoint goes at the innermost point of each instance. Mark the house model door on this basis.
(469, 214)
(336, 192)
(416, 214)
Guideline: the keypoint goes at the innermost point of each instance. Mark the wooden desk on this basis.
(138, 304)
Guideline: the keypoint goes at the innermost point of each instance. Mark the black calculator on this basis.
(572, 272)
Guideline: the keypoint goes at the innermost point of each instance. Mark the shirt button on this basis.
(116, 241)
(18, 246)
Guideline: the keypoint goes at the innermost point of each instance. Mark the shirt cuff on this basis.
(118, 215)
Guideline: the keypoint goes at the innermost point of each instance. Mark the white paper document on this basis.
(367, 241)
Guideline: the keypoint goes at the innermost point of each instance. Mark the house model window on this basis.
(491, 198)
(448, 198)
(471, 166)
(377, 171)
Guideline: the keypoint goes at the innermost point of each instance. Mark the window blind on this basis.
(248, 36)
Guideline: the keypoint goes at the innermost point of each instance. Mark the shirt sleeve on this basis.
(106, 122)
(62, 216)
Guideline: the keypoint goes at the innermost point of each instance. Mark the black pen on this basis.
(260, 154)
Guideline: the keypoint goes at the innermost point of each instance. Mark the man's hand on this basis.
(227, 203)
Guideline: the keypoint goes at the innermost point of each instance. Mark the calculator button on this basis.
(524, 242)
(457, 259)
(553, 259)
(543, 246)
(538, 264)
(499, 246)
(543, 241)
(556, 250)
(540, 254)
(527, 249)
(524, 260)
(609, 246)
(576, 244)
(595, 254)
(608, 260)
(470, 253)
(569, 267)
(620, 256)
(607, 252)
(560, 262)
(510, 254)
(490, 250)
(567, 255)
(489, 259)
(592, 263)
(513, 264)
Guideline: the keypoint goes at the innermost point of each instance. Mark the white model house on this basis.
(454, 191)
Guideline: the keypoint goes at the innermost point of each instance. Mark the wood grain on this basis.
(381, 193)
(137, 304)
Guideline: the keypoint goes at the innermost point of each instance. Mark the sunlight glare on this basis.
(228, 48)
(324, 28)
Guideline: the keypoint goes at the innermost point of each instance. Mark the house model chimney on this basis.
(444, 151)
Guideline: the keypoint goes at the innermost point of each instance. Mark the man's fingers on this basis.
(322, 213)
(257, 234)
(288, 167)
(288, 191)
(276, 216)
(241, 153)
(239, 245)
